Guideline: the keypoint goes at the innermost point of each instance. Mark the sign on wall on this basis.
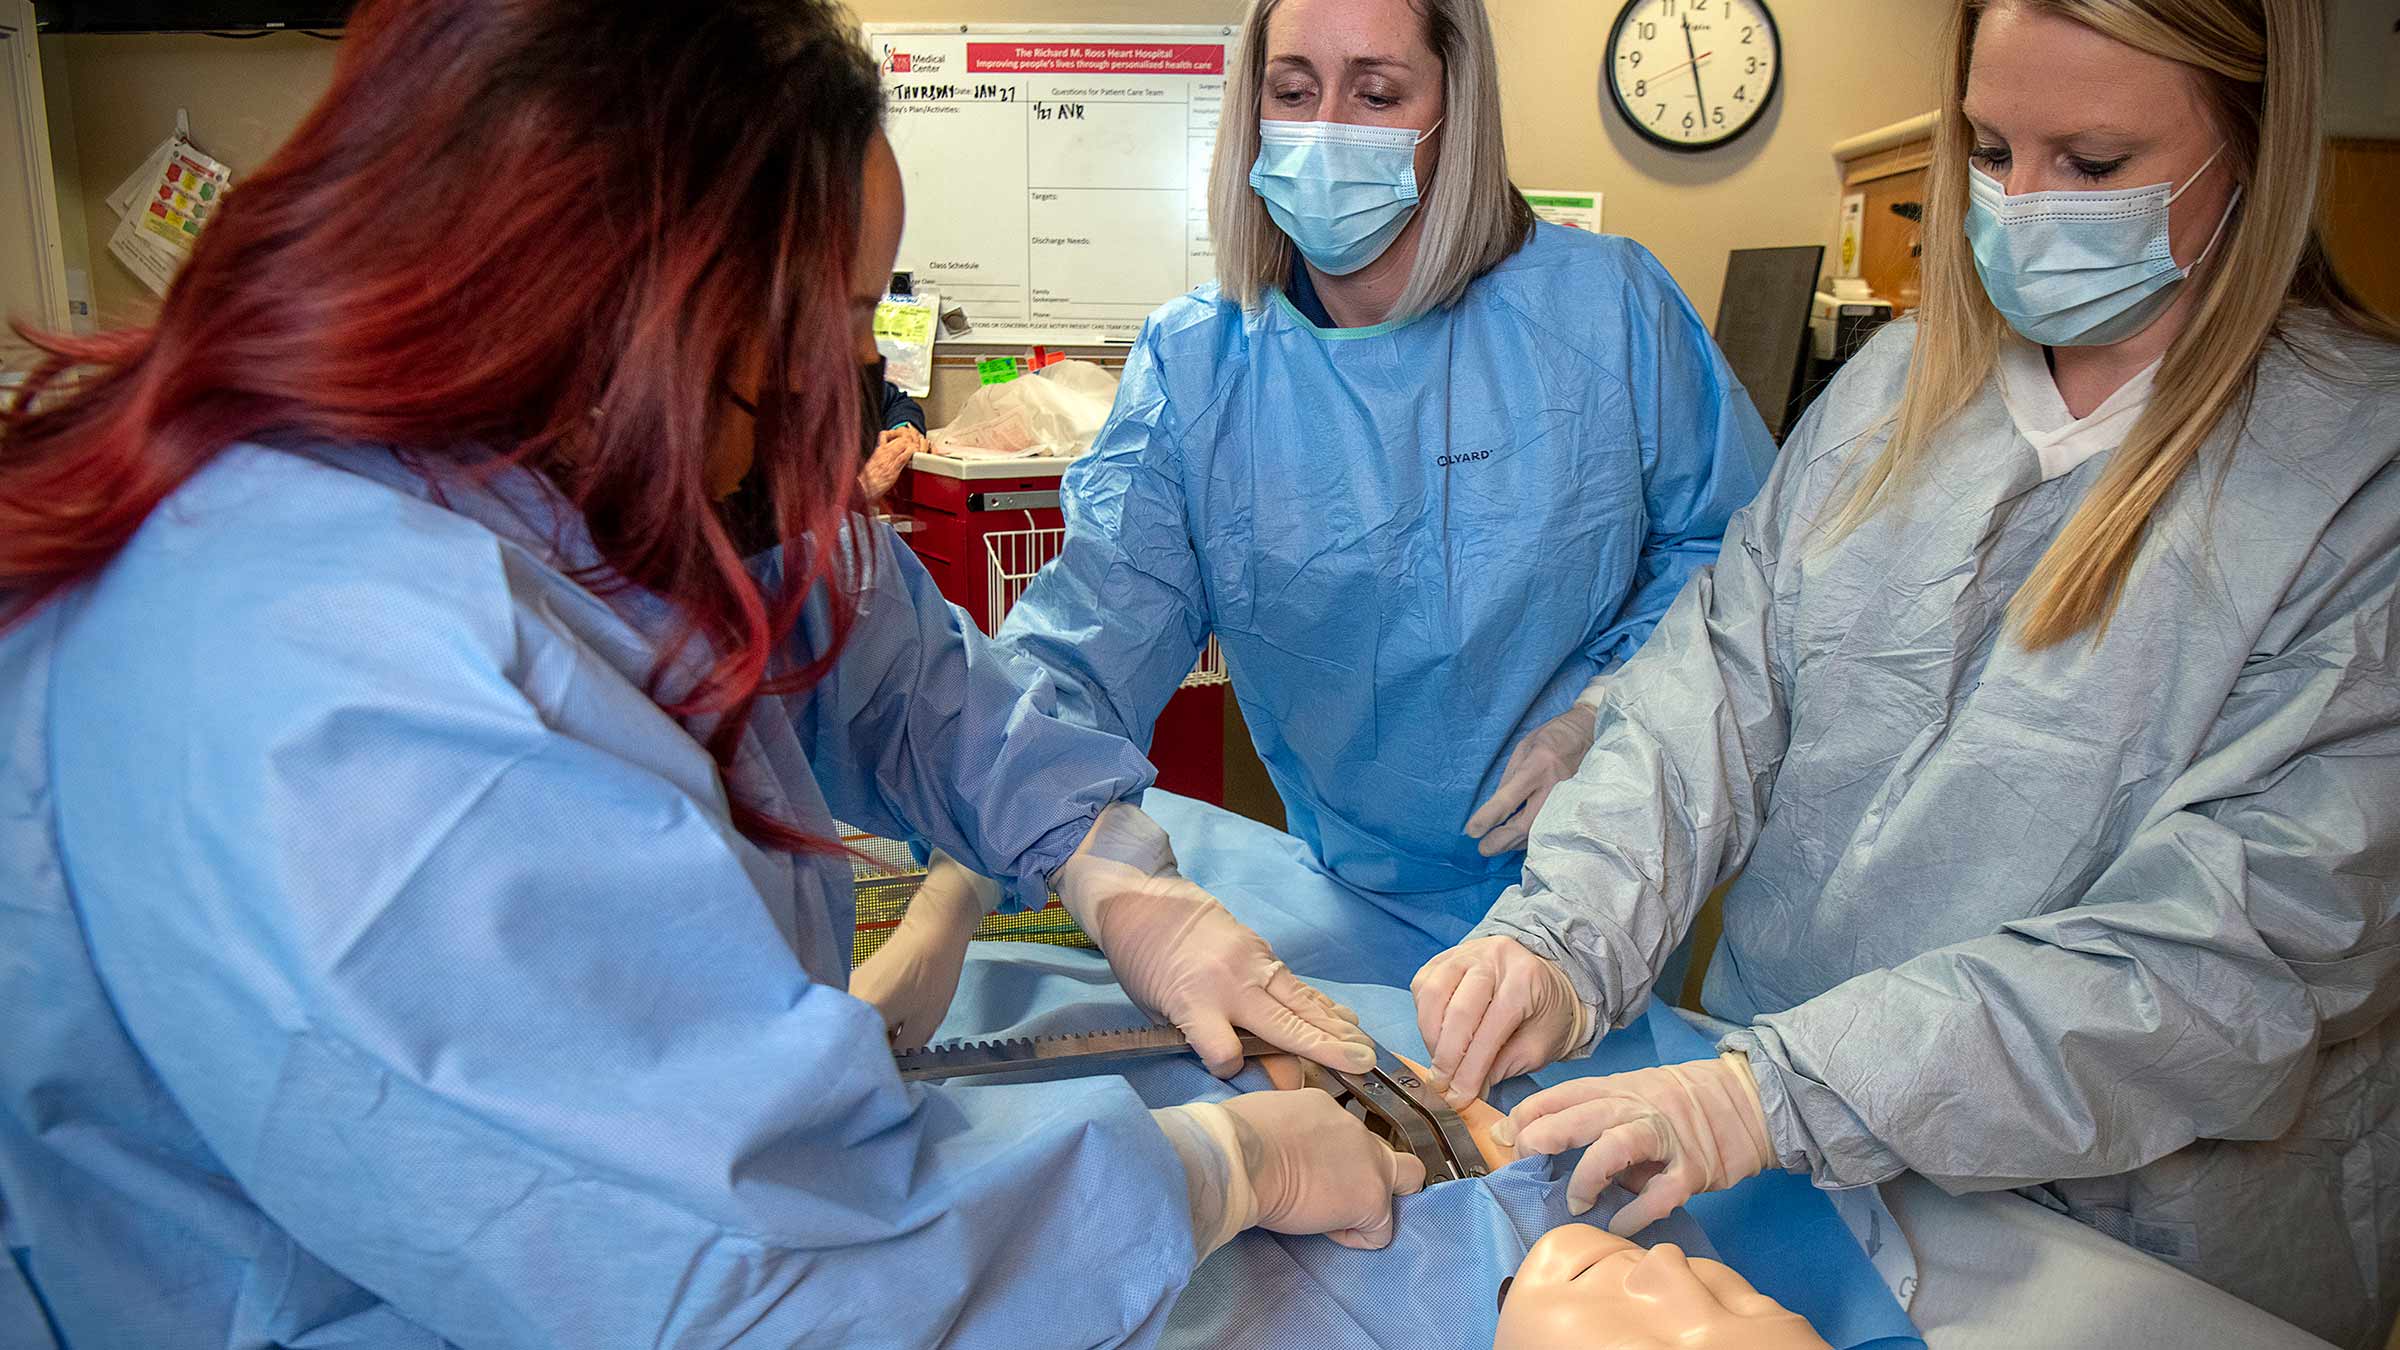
(1057, 177)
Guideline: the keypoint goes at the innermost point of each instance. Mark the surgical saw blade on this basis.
(1392, 1096)
(966, 1058)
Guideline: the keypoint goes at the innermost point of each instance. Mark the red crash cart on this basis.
(983, 527)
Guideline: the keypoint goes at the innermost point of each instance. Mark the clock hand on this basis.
(1692, 52)
(1672, 70)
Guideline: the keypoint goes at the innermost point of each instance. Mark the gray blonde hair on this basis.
(1473, 218)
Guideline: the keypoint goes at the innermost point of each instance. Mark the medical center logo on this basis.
(897, 62)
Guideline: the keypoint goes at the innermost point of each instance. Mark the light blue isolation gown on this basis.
(380, 967)
(2116, 923)
(1454, 1242)
(1416, 542)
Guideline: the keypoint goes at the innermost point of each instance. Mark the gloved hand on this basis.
(912, 977)
(1289, 1162)
(1540, 763)
(1181, 956)
(1672, 1132)
(1478, 1116)
(893, 451)
(1490, 1010)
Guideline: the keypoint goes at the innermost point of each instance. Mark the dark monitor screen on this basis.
(1762, 323)
(187, 16)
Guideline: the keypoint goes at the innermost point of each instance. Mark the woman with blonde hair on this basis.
(2047, 705)
(1424, 467)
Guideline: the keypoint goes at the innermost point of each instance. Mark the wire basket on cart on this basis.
(1016, 555)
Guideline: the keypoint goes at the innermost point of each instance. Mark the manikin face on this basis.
(1585, 1288)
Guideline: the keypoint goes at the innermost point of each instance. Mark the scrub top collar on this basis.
(2061, 440)
(1302, 290)
(1298, 297)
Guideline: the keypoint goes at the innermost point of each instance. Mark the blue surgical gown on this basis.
(2116, 922)
(1454, 1242)
(1416, 542)
(380, 966)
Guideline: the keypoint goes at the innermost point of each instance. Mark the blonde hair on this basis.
(2260, 63)
(1473, 218)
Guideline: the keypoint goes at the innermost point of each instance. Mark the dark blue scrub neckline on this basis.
(1302, 291)
(1298, 295)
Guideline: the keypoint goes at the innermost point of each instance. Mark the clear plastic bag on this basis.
(1056, 411)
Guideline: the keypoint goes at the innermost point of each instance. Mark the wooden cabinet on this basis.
(2362, 218)
(1889, 168)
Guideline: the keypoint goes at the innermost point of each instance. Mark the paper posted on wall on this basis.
(1854, 229)
(1571, 207)
(121, 200)
(905, 329)
(163, 207)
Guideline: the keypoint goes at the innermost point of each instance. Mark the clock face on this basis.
(1694, 74)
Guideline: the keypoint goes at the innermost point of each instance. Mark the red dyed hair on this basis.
(551, 229)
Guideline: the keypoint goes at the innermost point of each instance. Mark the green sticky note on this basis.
(997, 369)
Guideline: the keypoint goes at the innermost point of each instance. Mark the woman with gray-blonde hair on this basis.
(1425, 468)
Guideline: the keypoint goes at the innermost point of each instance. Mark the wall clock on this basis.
(1692, 75)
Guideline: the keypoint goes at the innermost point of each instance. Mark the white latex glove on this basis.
(1490, 1009)
(1671, 1132)
(893, 451)
(1289, 1162)
(912, 977)
(1182, 957)
(1541, 762)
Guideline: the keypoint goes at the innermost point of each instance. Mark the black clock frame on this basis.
(1616, 92)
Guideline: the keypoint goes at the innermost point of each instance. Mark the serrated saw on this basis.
(1394, 1104)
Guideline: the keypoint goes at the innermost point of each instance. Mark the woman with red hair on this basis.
(421, 911)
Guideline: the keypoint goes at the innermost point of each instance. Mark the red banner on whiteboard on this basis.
(1093, 58)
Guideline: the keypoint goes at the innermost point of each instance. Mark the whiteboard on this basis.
(1057, 176)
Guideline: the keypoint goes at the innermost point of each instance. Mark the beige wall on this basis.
(1850, 66)
(244, 97)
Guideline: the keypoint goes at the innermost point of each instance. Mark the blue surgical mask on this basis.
(2079, 269)
(1341, 192)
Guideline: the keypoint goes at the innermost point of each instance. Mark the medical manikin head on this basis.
(1585, 1288)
